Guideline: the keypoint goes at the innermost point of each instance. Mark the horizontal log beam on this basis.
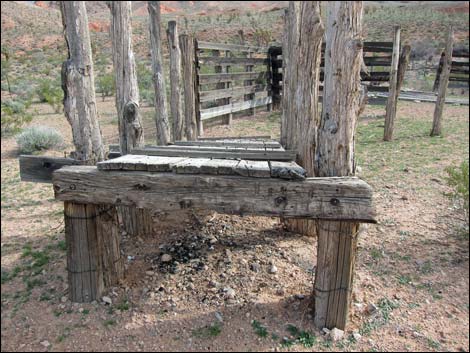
(231, 47)
(217, 60)
(346, 198)
(224, 77)
(257, 137)
(234, 107)
(39, 169)
(244, 144)
(206, 96)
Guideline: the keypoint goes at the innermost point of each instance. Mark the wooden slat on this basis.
(260, 137)
(227, 77)
(460, 64)
(217, 60)
(249, 155)
(206, 96)
(39, 169)
(241, 143)
(231, 47)
(234, 107)
(345, 198)
(217, 148)
(140, 162)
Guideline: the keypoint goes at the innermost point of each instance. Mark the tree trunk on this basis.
(163, 127)
(127, 90)
(176, 102)
(301, 78)
(391, 108)
(134, 221)
(78, 84)
(335, 157)
(188, 57)
(443, 83)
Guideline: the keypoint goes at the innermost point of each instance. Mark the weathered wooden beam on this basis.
(215, 60)
(260, 137)
(188, 59)
(234, 107)
(227, 77)
(236, 92)
(249, 155)
(346, 198)
(39, 169)
(241, 143)
(232, 47)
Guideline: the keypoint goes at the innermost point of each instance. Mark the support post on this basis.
(93, 254)
(187, 44)
(301, 79)
(391, 108)
(443, 83)
(439, 72)
(161, 116)
(335, 157)
(251, 96)
(176, 102)
(227, 85)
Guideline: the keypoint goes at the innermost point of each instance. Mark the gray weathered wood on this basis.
(346, 198)
(228, 77)
(246, 154)
(231, 47)
(228, 60)
(235, 92)
(187, 45)
(161, 116)
(335, 157)
(260, 137)
(391, 108)
(176, 99)
(127, 90)
(234, 107)
(443, 83)
(78, 84)
(231, 143)
(39, 169)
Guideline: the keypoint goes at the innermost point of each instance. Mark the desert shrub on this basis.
(458, 180)
(14, 115)
(106, 85)
(37, 138)
(50, 92)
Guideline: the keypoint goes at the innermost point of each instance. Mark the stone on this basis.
(149, 273)
(273, 269)
(229, 293)
(45, 343)
(371, 308)
(255, 267)
(336, 334)
(357, 336)
(107, 300)
(166, 258)
(326, 331)
(63, 299)
(218, 316)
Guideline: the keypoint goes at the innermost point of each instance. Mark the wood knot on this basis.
(185, 204)
(46, 164)
(278, 201)
(72, 187)
(141, 186)
(334, 201)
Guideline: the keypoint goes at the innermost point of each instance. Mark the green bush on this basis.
(106, 85)
(37, 138)
(458, 179)
(50, 91)
(14, 115)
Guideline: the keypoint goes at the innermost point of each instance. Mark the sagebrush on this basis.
(458, 179)
(38, 138)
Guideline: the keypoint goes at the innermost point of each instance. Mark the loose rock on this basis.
(336, 334)
(107, 300)
(166, 258)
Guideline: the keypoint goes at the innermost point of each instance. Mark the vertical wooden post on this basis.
(161, 117)
(391, 108)
(78, 84)
(335, 157)
(439, 72)
(228, 85)
(443, 83)
(301, 78)
(127, 90)
(200, 125)
(176, 102)
(275, 81)
(251, 96)
(189, 80)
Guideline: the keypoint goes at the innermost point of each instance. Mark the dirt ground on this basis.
(411, 288)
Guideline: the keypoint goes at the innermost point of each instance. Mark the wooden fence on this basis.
(459, 70)
(231, 78)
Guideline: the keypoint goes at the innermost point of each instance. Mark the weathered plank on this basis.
(234, 107)
(346, 198)
(241, 143)
(191, 105)
(140, 162)
(39, 169)
(249, 155)
(206, 96)
(232, 47)
(260, 137)
(227, 77)
(205, 60)
(287, 170)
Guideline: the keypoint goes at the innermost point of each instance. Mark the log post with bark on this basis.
(135, 221)
(335, 157)
(161, 116)
(443, 83)
(301, 78)
(188, 56)
(91, 231)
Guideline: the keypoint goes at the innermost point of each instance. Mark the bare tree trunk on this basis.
(335, 157)
(127, 90)
(188, 57)
(163, 126)
(78, 84)
(301, 78)
(443, 83)
(135, 221)
(391, 108)
(176, 102)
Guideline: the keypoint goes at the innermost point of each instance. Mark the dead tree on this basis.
(301, 78)
(443, 83)
(127, 90)
(176, 102)
(161, 118)
(335, 157)
(93, 251)
(135, 221)
(78, 84)
(391, 108)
